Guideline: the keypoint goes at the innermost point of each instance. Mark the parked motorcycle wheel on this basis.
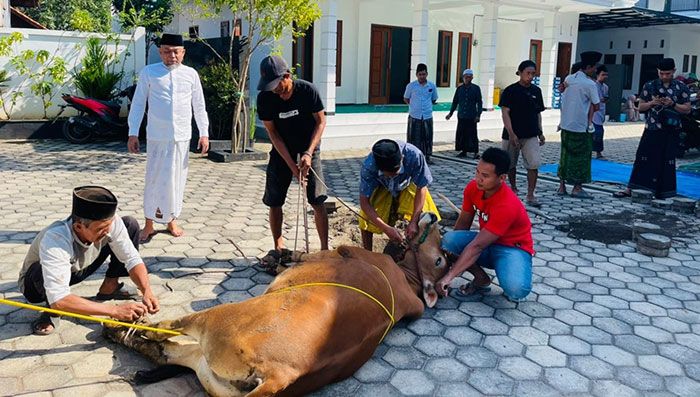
(76, 132)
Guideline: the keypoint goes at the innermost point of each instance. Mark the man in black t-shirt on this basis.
(521, 107)
(293, 115)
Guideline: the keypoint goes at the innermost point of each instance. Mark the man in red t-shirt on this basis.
(504, 241)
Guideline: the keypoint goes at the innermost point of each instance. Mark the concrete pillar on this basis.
(486, 76)
(5, 20)
(419, 39)
(548, 64)
(325, 82)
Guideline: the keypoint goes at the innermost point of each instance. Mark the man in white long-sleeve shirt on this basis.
(69, 251)
(174, 93)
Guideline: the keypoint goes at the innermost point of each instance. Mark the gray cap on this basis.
(272, 68)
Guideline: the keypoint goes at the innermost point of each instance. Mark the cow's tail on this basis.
(181, 325)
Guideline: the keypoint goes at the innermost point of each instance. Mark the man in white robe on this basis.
(173, 92)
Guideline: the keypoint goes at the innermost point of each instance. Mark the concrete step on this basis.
(361, 130)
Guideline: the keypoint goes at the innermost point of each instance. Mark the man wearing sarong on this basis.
(468, 99)
(599, 116)
(576, 140)
(173, 92)
(68, 251)
(664, 100)
(420, 95)
(393, 186)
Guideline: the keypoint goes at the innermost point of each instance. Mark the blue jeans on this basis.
(513, 265)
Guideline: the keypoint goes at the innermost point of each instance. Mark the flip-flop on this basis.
(118, 294)
(622, 194)
(534, 203)
(581, 194)
(562, 193)
(44, 319)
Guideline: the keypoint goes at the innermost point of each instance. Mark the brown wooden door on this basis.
(380, 65)
(563, 60)
(536, 54)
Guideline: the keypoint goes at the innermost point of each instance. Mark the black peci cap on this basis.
(170, 39)
(94, 202)
(387, 155)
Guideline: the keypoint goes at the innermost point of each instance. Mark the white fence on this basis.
(130, 49)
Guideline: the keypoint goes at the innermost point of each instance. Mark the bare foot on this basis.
(146, 233)
(174, 229)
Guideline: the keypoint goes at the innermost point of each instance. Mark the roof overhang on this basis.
(632, 17)
(22, 20)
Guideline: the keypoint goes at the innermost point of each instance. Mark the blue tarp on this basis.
(688, 184)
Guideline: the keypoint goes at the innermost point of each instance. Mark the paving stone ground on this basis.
(602, 319)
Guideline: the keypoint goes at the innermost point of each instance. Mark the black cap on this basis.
(174, 40)
(524, 65)
(272, 68)
(666, 64)
(387, 155)
(94, 202)
(589, 58)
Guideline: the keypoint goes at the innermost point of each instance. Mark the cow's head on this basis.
(430, 259)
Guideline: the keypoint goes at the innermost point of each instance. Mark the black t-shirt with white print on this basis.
(294, 118)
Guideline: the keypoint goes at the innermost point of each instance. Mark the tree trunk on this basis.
(237, 135)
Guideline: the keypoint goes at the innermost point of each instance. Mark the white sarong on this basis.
(166, 174)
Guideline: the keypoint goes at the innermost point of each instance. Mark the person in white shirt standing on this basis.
(68, 251)
(173, 92)
(576, 140)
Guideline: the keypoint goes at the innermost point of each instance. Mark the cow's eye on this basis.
(438, 262)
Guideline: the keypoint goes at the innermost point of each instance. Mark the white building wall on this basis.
(71, 47)
(395, 13)
(5, 13)
(675, 37)
(455, 21)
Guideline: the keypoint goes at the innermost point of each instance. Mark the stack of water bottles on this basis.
(556, 95)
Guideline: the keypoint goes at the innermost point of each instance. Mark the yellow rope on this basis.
(88, 318)
(392, 320)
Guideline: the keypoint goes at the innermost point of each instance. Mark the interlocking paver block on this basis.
(374, 371)
(546, 356)
(566, 380)
(639, 379)
(660, 365)
(519, 368)
(491, 381)
(447, 370)
(592, 367)
(412, 383)
(475, 356)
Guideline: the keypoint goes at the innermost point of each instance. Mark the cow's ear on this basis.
(430, 295)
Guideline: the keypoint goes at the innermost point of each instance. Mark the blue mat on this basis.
(688, 184)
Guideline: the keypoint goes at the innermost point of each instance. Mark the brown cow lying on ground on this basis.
(317, 323)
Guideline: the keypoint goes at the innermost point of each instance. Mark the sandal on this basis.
(119, 294)
(534, 203)
(39, 325)
(622, 194)
(581, 194)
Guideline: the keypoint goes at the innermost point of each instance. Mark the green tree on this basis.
(84, 15)
(267, 21)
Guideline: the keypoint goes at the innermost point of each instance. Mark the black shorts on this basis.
(279, 177)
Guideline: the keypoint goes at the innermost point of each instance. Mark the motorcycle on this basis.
(690, 135)
(96, 117)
